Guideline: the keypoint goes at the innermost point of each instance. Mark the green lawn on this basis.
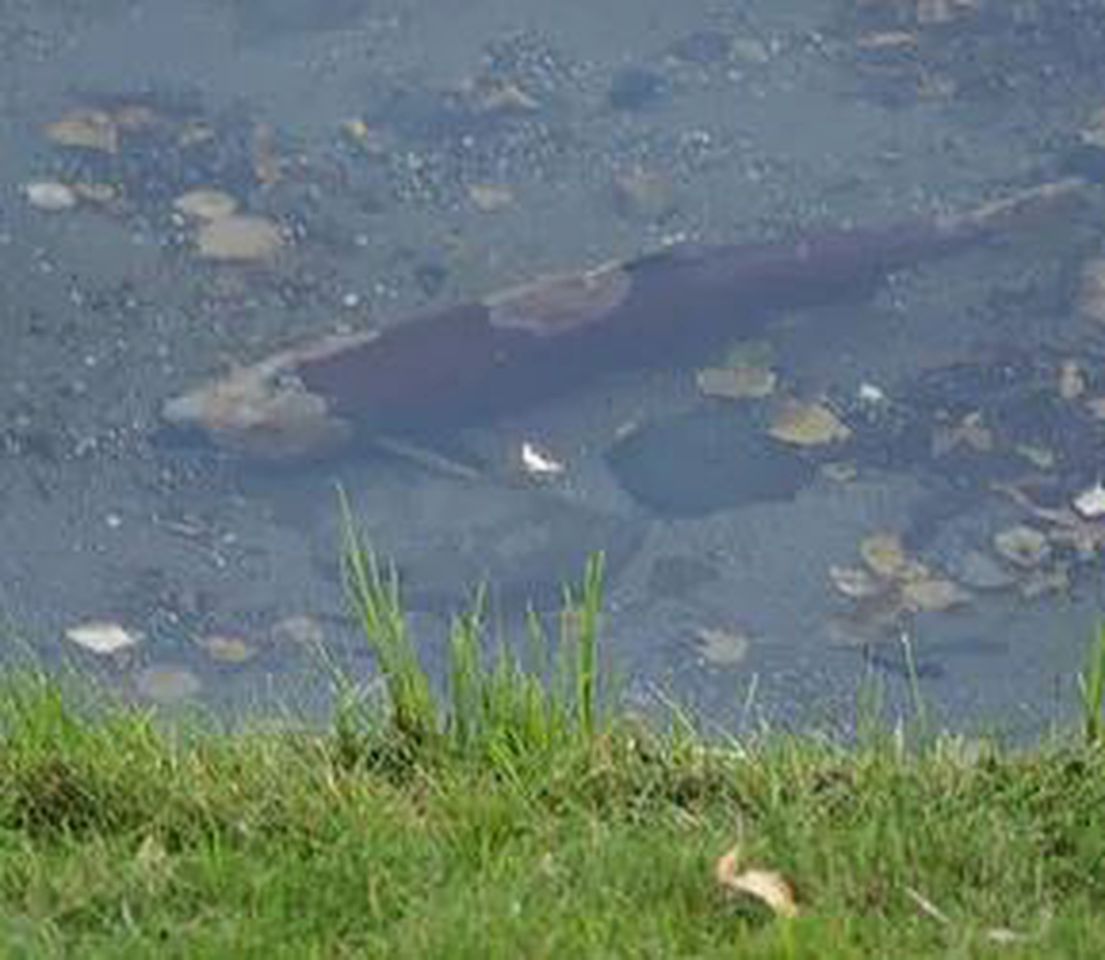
(513, 817)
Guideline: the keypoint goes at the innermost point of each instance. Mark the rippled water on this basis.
(415, 158)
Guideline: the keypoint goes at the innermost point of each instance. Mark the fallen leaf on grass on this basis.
(151, 856)
(769, 887)
(999, 935)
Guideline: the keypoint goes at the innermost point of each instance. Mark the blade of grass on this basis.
(1091, 684)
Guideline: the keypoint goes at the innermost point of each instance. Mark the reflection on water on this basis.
(365, 161)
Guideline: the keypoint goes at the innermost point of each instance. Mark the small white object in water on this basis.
(538, 463)
(101, 637)
(871, 393)
(1090, 503)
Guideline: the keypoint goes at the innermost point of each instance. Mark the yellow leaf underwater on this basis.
(884, 555)
(807, 424)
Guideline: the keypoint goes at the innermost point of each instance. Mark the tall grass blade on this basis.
(378, 606)
(1091, 683)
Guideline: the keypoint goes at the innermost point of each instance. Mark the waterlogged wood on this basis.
(473, 360)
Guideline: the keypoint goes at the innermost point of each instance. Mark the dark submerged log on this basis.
(460, 363)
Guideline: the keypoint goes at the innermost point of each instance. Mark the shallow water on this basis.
(756, 124)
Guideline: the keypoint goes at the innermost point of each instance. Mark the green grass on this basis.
(515, 814)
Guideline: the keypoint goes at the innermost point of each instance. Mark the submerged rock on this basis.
(206, 204)
(50, 195)
(704, 461)
(239, 237)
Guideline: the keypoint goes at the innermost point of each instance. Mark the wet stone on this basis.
(50, 196)
(706, 460)
(239, 238)
(206, 204)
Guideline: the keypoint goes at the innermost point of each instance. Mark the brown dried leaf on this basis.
(769, 887)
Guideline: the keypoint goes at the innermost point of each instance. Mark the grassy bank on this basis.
(510, 816)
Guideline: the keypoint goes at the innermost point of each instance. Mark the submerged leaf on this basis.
(855, 582)
(227, 649)
(807, 425)
(933, 595)
(736, 383)
(85, 128)
(1022, 545)
(724, 648)
(884, 555)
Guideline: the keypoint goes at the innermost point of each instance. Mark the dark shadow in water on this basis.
(706, 460)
